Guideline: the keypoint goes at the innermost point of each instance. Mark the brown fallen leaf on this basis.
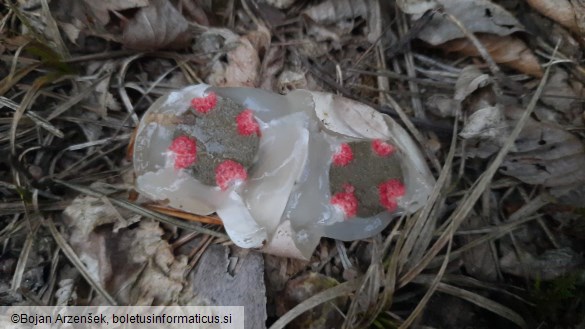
(570, 14)
(160, 25)
(506, 50)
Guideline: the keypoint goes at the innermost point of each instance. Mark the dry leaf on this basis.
(506, 50)
(484, 123)
(416, 7)
(282, 4)
(563, 95)
(136, 265)
(243, 59)
(570, 14)
(101, 9)
(546, 154)
(329, 12)
(550, 265)
(478, 16)
(160, 25)
(341, 13)
(470, 79)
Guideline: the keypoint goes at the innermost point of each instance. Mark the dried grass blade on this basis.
(23, 258)
(478, 300)
(34, 117)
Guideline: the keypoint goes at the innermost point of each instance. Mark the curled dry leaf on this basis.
(484, 123)
(506, 50)
(243, 59)
(478, 16)
(160, 25)
(136, 265)
(470, 79)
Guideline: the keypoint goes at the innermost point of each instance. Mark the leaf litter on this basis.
(509, 224)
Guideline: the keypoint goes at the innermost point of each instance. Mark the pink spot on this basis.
(184, 151)
(247, 124)
(228, 172)
(382, 148)
(343, 156)
(204, 104)
(389, 192)
(346, 200)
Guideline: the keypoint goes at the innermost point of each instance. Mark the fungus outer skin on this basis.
(321, 122)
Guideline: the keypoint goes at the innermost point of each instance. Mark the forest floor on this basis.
(491, 91)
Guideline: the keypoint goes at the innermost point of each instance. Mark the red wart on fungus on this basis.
(184, 152)
(204, 104)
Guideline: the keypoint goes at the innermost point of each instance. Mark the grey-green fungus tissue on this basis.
(280, 171)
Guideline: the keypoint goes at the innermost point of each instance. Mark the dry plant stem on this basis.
(478, 187)
(123, 94)
(198, 252)
(417, 105)
(74, 259)
(482, 51)
(186, 216)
